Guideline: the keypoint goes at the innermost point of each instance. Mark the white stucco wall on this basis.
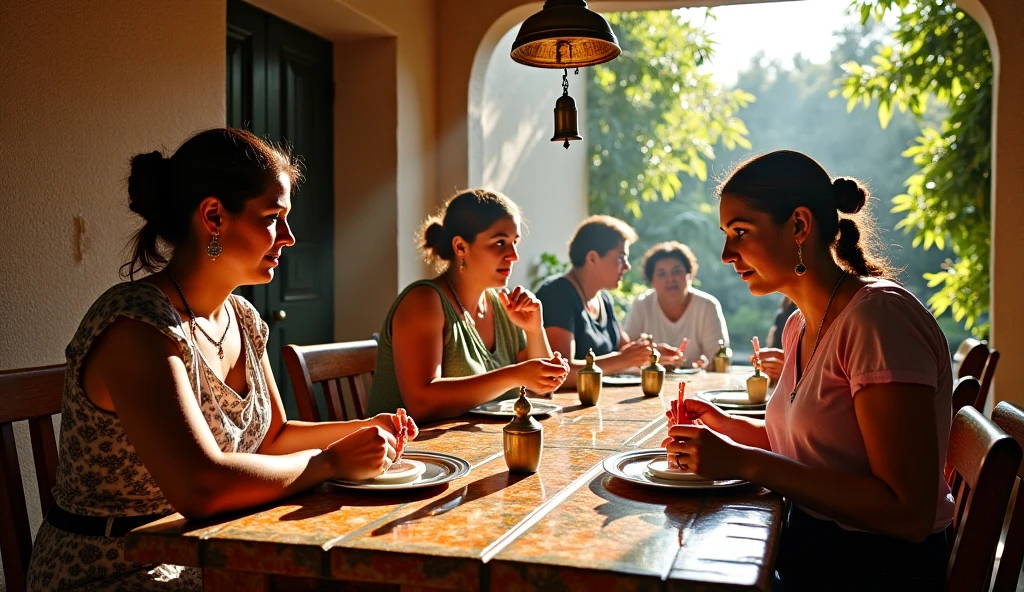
(70, 120)
(517, 158)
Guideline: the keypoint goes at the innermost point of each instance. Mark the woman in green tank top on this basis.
(461, 339)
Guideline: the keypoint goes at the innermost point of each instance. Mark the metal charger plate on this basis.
(621, 380)
(632, 466)
(441, 468)
(506, 408)
(732, 398)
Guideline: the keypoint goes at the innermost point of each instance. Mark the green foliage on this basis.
(938, 55)
(793, 110)
(652, 118)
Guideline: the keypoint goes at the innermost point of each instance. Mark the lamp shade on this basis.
(565, 34)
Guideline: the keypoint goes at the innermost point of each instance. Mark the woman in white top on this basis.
(674, 310)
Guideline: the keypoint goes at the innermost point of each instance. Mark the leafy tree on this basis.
(652, 117)
(938, 55)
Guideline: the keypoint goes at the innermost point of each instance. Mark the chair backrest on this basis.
(975, 354)
(985, 460)
(965, 393)
(1010, 418)
(341, 369)
(987, 375)
(33, 395)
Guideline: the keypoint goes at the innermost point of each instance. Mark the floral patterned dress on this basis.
(99, 472)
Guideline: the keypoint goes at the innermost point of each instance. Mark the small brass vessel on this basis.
(588, 381)
(652, 377)
(524, 438)
(757, 386)
(722, 359)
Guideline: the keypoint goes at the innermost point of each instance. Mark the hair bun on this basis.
(849, 194)
(148, 184)
(433, 235)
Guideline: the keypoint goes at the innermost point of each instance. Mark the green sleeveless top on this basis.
(464, 352)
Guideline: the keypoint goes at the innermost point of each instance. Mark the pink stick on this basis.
(679, 403)
(682, 346)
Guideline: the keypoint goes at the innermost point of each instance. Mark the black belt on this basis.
(100, 526)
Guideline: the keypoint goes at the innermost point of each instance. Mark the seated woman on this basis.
(674, 309)
(170, 403)
(578, 314)
(454, 342)
(855, 436)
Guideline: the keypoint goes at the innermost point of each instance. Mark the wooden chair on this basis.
(33, 395)
(972, 354)
(334, 366)
(985, 460)
(979, 361)
(965, 393)
(1010, 418)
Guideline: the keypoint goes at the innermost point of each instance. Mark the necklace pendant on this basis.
(792, 396)
(220, 352)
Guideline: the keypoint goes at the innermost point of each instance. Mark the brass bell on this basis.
(566, 123)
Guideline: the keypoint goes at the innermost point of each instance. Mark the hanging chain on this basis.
(565, 81)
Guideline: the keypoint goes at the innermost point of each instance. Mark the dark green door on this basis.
(280, 86)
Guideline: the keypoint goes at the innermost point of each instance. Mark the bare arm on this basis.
(417, 337)
(288, 436)
(898, 498)
(564, 342)
(145, 377)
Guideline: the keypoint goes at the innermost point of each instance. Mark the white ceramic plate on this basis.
(731, 399)
(684, 371)
(621, 380)
(632, 466)
(506, 408)
(440, 468)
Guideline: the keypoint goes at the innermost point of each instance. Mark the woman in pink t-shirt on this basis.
(855, 436)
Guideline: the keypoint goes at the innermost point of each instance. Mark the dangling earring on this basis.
(462, 265)
(800, 267)
(214, 249)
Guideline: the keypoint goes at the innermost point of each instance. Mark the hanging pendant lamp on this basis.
(565, 34)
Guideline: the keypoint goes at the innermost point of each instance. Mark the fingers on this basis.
(680, 430)
(412, 428)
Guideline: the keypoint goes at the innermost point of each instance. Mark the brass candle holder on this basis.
(652, 377)
(523, 438)
(588, 381)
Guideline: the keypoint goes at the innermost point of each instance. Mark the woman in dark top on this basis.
(578, 314)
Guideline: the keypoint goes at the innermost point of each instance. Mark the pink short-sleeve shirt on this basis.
(883, 335)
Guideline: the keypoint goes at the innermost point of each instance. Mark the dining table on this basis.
(571, 525)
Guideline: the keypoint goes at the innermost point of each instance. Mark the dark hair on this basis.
(779, 182)
(230, 164)
(465, 214)
(600, 234)
(669, 250)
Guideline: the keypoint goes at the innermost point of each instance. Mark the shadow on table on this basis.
(474, 491)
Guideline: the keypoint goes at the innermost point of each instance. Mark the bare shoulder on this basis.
(127, 341)
(420, 307)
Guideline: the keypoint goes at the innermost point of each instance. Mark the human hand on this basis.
(364, 454)
(523, 309)
(701, 450)
(772, 360)
(542, 375)
(636, 353)
(670, 355)
(698, 412)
